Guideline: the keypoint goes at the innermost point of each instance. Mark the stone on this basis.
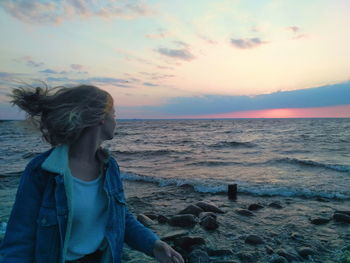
(209, 207)
(162, 219)
(146, 221)
(246, 257)
(186, 243)
(171, 236)
(254, 207)
(276, 204)
(209, 223)
(192, 209)
(278, 259)
(254, 240)
(269, 250)
(219, 252)
(322, 199)
(289, 256)
(244, 212)
(305, 251)
(185, 220)
(151, 216)
(319, 221)
(340, 217)
(342, 212)
(296, 236)
(205, 214)
(198, 256)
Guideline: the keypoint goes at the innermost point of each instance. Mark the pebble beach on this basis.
(249, 229)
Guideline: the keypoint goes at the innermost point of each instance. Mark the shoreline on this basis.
(284, 229)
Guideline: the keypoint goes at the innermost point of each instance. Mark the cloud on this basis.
(330, 95)
(77, 67)
(66, 81)
(63, 72)
(181, 43)
(157, 76)
(54, 12)
(150, 84)
(300, 36)
(161, 33)
(49, 71)
(165, 67)
(207, 39)
(247, 43)
(294, 29)
(28, 60)
(183, 54)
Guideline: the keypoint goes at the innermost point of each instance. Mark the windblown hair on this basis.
(61, 116)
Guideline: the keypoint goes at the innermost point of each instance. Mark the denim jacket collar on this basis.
(57, 161)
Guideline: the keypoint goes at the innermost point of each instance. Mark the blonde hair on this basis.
(63, 115)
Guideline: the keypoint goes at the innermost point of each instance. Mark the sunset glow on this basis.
(342, 111)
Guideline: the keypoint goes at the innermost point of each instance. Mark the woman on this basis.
(70, 204)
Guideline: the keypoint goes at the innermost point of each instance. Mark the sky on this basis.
(184, 59)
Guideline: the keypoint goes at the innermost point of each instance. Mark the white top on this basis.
(90, 204)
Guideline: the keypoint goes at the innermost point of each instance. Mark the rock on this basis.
(278, 259)
(319, 221)
(171, 236)
(205, 214)
(254, 240)
(253, 207)
(183, 220)
(219, 252)
(209, 223)
(192, 209)
(342, 212)
(269, 250)
(162, 219)
(340, 217)
(209, 207)
(276, 204)
(244, 212)
(305, 251)
(246, 257)
(322, 199)
(146, 221)
(198, 256)
(289, 256)
(225, 261)
(151, 216)
(186, 243)
(296, 236)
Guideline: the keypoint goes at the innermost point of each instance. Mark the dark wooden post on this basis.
(232, 191)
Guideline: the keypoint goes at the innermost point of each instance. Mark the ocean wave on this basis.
(232, 144)
(210, 186)
(213, 163)
(147, 152)
(335, 167)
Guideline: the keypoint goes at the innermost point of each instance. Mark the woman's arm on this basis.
(19, 241)
(138, 236)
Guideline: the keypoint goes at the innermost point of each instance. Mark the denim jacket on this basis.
(39, 226)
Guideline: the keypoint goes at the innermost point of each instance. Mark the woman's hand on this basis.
(165, 253)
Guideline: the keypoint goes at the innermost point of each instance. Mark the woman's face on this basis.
(109, 125)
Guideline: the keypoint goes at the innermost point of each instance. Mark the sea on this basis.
(265, 157)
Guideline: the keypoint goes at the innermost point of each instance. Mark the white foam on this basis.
(212, 186)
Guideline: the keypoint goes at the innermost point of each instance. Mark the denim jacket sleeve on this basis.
(19, 241)
(138, 236)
